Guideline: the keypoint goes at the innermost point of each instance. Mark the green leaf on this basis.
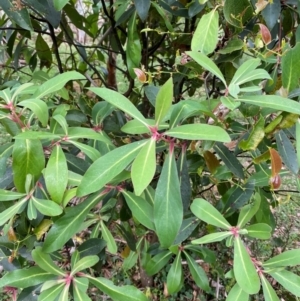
(26, 277)
(168, 210)
(111, 165)
(198, 273)
(199, 132)
(79, 295)
(143, 167)
(244, 271)
(43, 51)
(287, 258)
(47, 207)
(28, 158)
(256, 136)
(140, 209)
(261, 231)
(56, 174)
(164, 16)
(269, 293)
(175, 274)
(242, 72)
(51, 293)
(205, 37)
(11, 211)
(231, 46)
(229, 102)
(157, 262)
(213, 237)
(123, 293)
(69, 224)
(37, 135)
(56, 83)
(230, 160)
(209, 214)
(84, 263)
(289, 280)
(237, 294)
(297, 140)
(88, 150)
(107, 236)
(164, 100)
(248, 211)
(59, 4)
(272, 101)
(287, 152)
(31, 210)
(6, 195)
(142, 8)
(86, 133)
(207, 64)
(45, 262)
(290, 64)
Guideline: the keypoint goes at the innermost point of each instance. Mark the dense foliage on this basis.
(147, 142)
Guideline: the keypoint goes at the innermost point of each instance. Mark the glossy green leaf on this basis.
(51, 293)
(207, 64)
(142, 8)
(244, 270)
(28, 158)
(209, 214)
(56, 83)
(290, 64)
(37, 135)
(198, 274)
(101, 110)
(269, 293)
(59, 4)
(75, 133)
(80, 295)
(47, 207)
(287, 152)
(74, 179)
(289, 280)
(287, 258)
(248, 211)
(69, 224)
(56, 174)
(84, 263)
(199, 132)
(205, 37)
(168, 210)
(11, 211)
(237, 294)
(31, 210)
(45, 262)
(143, 167)
(274, 102)
(26, 277)
(271, 13)
(107, 236)
(111, 165)
(60, 120)
(123, 293)
(7, 195)
(231, 46)
(260, 231)
(243, 71)
(140, 209)
(229, 102)
(157, 262)
(175, 274)
(230, 160)
(88, 150)
(164, 100)
(213, 237)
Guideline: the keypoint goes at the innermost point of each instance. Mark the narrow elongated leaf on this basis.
(230, 160)
(140, 209)
(110, 166)
(186, 229)
(84, 263)
(248, 211)
(209, 214)
(243, 71)
(7, 195)
(47, 207)
(88, 150)
(81, 133)
(56, 83)
(69, 224)
(287, 152)
(28, 158)
(198, 273)
(237, 294)
(56, 174)
(157, 262)
(205, 37)
(199, 132)
(298, 140)
(107, 236)
(142, 8)
(45, 262)
(26, 277)
(164, 100)
(123, 293)
(269, 293)
(244, 271)
(51, 293)
(80, 295)
(287, 258)
(289, 280)
(213, 237)
(11, 211)
(59, 4)
(168, 210)
(207, 64)
(274, 102)
(121, 102)
(261, 231)
(143, 167)
(174, 278)
(37, 135)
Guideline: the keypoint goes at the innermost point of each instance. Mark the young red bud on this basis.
(140, 75)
